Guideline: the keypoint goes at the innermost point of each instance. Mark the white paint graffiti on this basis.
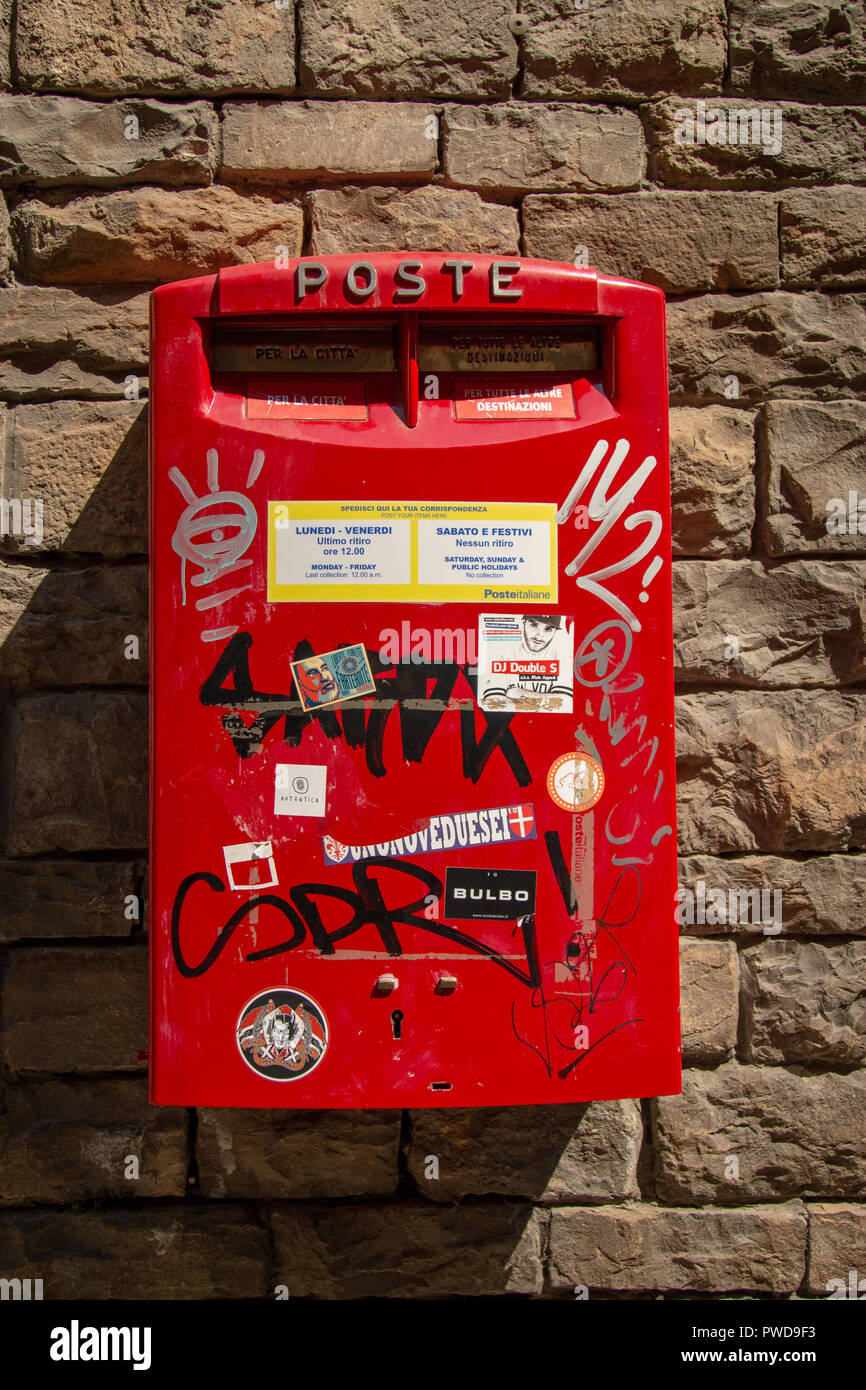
(608, 510)
(215, 542)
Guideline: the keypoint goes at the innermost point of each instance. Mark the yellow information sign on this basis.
(426, 552)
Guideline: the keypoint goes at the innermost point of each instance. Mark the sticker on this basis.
(575, 782)
(424, 552)
(340, 675)
(499, 895)
(309, 400)
(526, 663)
(256, 854)
(489, 402)
(299, 790)
(282, 1034)
(465, 828)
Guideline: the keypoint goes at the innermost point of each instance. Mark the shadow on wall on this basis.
(73, 821)
(74, 750)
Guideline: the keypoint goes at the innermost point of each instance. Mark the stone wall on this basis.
(145, 143)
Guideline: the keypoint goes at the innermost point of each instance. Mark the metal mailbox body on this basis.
(434, 863)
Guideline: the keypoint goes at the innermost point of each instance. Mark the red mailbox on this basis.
(412, 700)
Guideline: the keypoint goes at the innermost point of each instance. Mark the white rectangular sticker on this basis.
(299, 790)
(526, 662)
(250, 865)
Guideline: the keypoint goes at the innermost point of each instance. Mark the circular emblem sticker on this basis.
(348, 665)
(282, 1034)
(575, 782)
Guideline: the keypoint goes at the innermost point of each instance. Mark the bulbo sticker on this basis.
(497, 895)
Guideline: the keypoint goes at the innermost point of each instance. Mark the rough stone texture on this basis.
(408, 1250)
(519, 146)
(67, 897)
(303, 1153)
(804, 1002)
(174, 1252)
(61, 140)
(74, 773)
(792, 1135)
(580, 1153)
(87, 462)
(823, 236)
(815, 454)
(4, 237)
(771, 770)
(151, 234)
(75, 1009)
(5, 42)
(789, 343)
(712, 480)
(682, 242)
(310, 140)
(826, 894)
(63, 1141)
(797, 624)
(708, 999)
(837, 1244)
(422, 219)
(644, 1247)
(804, 49)
(637, 46)
(460, 137)
(757, 144)
(387, 48)
(55, 341)
(104, 47)
(69, 627)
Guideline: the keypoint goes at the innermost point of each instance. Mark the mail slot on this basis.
(412, 790)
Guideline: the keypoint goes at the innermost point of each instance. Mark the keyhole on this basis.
(397, 1022)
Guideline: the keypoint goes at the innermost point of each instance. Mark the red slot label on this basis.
(514, 402)
(318, 400)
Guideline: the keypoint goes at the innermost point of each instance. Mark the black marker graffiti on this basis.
(563, 1012)
(368, 907)
(402, 687)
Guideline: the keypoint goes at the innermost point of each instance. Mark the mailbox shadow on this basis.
(93, 583)
(67, 635)
(585, 1152)
(68, 606)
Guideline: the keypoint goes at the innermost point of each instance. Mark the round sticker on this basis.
(348, 665)
(282, 1034)
(575, 782)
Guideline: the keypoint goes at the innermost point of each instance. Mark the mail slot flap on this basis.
(499, 347)
(310, 349)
